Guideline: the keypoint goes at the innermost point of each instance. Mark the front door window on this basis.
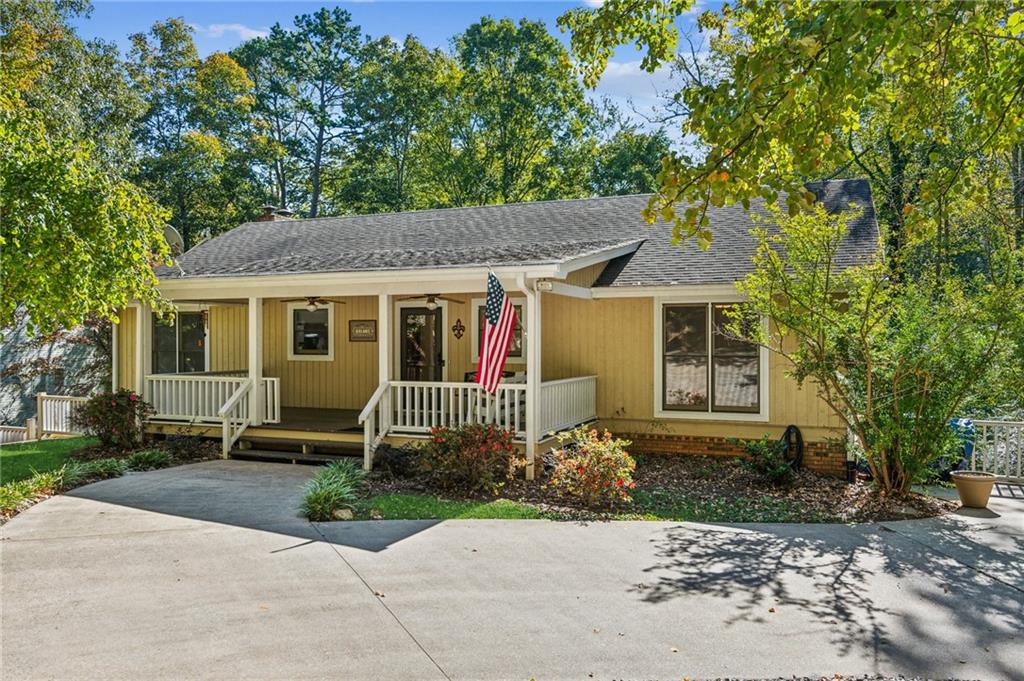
(422, 344)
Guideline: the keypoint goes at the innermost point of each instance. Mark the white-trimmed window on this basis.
(701, 371)
(516, 346)
(311, 332)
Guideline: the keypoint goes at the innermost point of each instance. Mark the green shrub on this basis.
(334, 487)
(596, 469)
(148, 460)
(473, 457)
(398, 462)
(15, 494)
(115, 418)
(82, 472)
(766, 458)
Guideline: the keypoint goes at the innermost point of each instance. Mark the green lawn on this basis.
(19, 461)
(422, 507)
(647, 505)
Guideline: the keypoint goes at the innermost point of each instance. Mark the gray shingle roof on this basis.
(513, 234)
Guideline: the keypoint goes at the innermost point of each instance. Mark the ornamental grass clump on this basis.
(473, 457)
(594, 468)
(148, 460)
(333, 488)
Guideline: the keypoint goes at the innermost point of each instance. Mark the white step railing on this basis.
(234, 416)
(53, 413)
(419, 406)
(375, 422)
(566, 404)
(999, 449)
(197, 398)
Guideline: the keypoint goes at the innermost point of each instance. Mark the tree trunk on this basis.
(1017, 187)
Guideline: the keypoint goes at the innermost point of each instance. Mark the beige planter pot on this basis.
(974, 487)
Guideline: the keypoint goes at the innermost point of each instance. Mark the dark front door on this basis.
(422, 344)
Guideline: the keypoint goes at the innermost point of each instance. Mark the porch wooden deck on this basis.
(317, 420)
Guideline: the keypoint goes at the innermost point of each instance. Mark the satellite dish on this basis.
(174, 240)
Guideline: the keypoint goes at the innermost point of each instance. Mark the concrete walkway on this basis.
(206, 571)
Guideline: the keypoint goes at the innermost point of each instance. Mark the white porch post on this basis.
(143, 350)
(256, 360)
(533, 377)
(113, 355)
(384, 357)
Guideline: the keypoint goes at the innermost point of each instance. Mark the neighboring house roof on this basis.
(544, 232)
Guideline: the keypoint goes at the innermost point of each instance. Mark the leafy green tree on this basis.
(798, 78)
(894, 359)
(77, 237)
(628, 162)
(192, 134)
(274, 131)
(513, 124)
(398, 89)
(321, 60)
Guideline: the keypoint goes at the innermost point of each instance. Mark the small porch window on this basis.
(179, 346)
(703, 371)
(516, 348)
(311, 332)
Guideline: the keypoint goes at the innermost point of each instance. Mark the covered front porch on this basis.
(317, 363)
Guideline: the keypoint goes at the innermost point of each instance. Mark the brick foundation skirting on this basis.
(827, 458)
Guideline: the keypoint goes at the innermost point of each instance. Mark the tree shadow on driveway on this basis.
(880, 594)
(251, 495)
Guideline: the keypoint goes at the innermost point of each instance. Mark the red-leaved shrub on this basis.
(594, 468)
(115, 418)
(474, 457)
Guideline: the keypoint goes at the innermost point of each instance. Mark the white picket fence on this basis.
(53, 413)
(12, 434)
(999, 449)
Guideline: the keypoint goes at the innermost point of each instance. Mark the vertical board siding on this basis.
(586, 276)
(126, 348)
(613, 338)
(347, 382)
(228, 339)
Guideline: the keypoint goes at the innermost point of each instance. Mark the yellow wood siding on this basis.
(346, 382)
(587, 275)
(227, 335)
(126, 348)
(614, 340)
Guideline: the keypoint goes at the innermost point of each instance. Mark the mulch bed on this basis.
(704, 479)
(182, 450)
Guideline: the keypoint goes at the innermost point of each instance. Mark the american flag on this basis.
(499, 321)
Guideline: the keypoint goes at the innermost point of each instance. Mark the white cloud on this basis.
(628, 79)
(220, 30)
(593, 3)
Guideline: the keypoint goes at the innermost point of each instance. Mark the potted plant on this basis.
(974, 487)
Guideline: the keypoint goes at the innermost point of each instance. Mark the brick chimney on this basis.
(269, 214)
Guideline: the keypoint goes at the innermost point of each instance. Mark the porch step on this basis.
(283, 456)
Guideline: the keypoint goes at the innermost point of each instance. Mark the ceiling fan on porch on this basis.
(432, 299)
(313, 303)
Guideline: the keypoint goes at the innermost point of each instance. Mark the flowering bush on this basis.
(594, 468)
(474, 456)
(115, 418)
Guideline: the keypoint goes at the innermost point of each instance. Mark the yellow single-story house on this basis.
(360, 330)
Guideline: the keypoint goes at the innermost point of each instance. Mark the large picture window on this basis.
(179, 347)
(311, 333)
(704, 369)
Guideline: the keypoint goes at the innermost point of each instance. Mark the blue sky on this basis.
(221, 25)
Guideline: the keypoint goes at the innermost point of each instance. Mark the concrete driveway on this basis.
(206, 571)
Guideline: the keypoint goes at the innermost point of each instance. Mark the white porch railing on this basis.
(199, 397)
(419, 406)
(999, 449)
(234, 415)
(566, 404)
(53, 413)
(12, 434)
(415, 407)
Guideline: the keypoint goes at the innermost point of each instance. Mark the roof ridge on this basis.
(448, 208)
